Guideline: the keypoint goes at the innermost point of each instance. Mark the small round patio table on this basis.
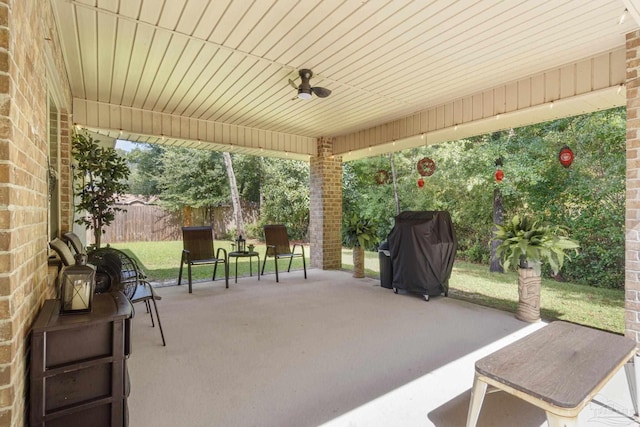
(249, 255)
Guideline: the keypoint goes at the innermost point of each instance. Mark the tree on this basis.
(235, 197)
(191, 177)
(145, 162)
(285, 189)
(100, 177)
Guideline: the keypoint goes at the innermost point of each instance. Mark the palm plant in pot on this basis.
(527, 243)
(358, 233)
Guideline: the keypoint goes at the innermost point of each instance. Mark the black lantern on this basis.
(77, 286)
(241, 244)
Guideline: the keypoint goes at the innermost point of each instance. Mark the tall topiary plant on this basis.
(358, 232)
(100, 176)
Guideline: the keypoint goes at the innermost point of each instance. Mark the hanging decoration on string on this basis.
(499, 172)
(382, 177)
(420, 182)
(566, 156)
(426, 166)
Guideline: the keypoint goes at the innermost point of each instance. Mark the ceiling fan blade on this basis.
(295, 86)
(321, 92)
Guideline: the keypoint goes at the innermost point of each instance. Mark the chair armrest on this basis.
(273, 250)
(218, 253)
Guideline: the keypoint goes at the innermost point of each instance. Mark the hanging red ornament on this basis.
(420, 182)
(499, 175)
(426, 166)
(566, 156)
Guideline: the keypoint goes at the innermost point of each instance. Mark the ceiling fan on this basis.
(305, 90)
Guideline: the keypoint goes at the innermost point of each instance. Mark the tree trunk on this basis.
(498, 217)
(235, 197)
(528, 295)
(97, 237)
(395, 183)
(358, 262)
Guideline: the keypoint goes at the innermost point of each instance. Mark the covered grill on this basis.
(423, 247)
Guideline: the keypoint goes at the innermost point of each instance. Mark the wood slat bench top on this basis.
(561, 363)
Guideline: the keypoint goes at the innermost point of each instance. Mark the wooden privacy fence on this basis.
(152, 223)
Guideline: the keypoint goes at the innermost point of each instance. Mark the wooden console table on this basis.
(558, 368)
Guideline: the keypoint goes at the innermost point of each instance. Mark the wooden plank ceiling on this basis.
(229, 61)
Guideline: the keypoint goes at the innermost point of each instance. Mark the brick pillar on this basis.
(325, 211)
(632, 223)
(66, 180)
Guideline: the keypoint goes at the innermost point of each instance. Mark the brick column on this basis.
(325, 210)
(632, 223)
(66, 181)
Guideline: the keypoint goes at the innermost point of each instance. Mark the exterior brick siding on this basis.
(26, 27)
(632, 247)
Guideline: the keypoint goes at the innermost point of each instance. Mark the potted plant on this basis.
(100, 176)
(358, 233)
(528, 243)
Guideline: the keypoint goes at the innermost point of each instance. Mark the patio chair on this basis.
(198, 250)
(63, 251)
(118, 271)
(73, 240)
(277, 240)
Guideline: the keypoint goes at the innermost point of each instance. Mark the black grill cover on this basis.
(423, 247)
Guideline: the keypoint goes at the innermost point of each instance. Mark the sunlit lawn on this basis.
(600, 308)
(161, 261)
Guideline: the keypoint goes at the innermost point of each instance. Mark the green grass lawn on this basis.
(161, 261)
(597, 307)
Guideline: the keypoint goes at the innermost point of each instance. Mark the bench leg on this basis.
(558, 421)
(477, 397)
(632, 371)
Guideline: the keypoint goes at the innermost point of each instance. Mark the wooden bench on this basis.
(558, 368)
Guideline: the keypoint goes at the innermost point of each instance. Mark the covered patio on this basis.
(215, 75)
(329, 350)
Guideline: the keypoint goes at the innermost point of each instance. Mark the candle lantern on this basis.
(241, 244)
(78, 284)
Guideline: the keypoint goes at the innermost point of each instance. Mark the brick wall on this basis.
(325, 216)
(632, 246)
(25, 27)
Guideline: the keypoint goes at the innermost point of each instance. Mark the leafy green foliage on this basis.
(359, 231)
(196, 178)
(145, 162)
(285, 188)
(100, 176)
(524, 239)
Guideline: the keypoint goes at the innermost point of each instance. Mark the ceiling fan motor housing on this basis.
(304, 88)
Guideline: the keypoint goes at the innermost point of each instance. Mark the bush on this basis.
(477, 252)
(254, 231)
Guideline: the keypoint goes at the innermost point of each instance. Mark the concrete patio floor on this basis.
(330, 350)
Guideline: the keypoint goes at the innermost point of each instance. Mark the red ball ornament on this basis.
(499, 175)
(565, 156)
(420, 182)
